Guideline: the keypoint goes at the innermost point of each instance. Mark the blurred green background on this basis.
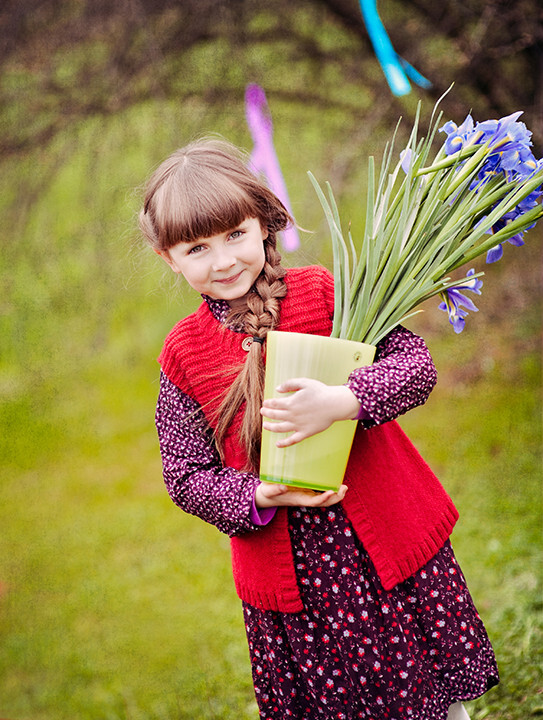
(114, 605)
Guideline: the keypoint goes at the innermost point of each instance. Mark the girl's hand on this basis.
(273, 495)
(311, 408)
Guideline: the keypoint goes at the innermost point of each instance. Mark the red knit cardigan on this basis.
(397, 506)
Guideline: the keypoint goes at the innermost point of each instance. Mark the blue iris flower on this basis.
(510, 155)
(504, 133)
(458, 136)
(406, 157)
(529, 202)
(454, 300)
(496, 253)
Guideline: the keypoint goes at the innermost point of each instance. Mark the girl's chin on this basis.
(234, 295)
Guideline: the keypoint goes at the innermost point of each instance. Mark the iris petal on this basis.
(494, 254)
(454, 301)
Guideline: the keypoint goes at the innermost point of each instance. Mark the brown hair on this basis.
(202, 190)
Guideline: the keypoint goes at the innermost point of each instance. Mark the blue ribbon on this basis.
(396, 69)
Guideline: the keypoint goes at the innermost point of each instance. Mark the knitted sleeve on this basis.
(195, 478)
(401, 378)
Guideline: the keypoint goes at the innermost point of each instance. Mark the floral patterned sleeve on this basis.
(195, 478)
(401, 378)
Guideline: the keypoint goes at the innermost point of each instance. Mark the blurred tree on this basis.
(497, 47)
(61, 60)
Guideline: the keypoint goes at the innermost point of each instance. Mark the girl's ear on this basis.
(165, 255)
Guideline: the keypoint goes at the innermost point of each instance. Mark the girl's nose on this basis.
(222, 260)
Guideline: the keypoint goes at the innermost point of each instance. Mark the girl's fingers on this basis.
(278, 427)
(289, 386)
(296, 437)
(292, 385)
(324, 499)
(273, 413)
(297, 497)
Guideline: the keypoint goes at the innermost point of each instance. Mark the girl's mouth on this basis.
(229, 280)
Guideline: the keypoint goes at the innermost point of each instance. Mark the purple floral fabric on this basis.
(195, 478)
(401, 378)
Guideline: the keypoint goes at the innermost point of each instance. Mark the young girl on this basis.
(353, 601)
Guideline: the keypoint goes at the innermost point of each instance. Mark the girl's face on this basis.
(223, 266)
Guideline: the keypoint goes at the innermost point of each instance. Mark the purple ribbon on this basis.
(263, 158)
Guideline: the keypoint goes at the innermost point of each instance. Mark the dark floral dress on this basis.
(361, 652)
(357, 651)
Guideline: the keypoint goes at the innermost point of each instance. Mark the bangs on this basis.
(199, 205)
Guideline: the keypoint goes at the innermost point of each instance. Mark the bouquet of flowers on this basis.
(427, 218)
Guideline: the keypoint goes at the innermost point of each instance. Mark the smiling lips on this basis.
(229, 280)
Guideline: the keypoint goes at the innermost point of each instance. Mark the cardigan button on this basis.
(246, 343)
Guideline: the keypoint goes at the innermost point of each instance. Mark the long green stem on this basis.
(450, 160)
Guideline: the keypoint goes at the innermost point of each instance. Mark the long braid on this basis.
(261, 314)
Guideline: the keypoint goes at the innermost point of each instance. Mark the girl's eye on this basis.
(195, 249)
(236, 234)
